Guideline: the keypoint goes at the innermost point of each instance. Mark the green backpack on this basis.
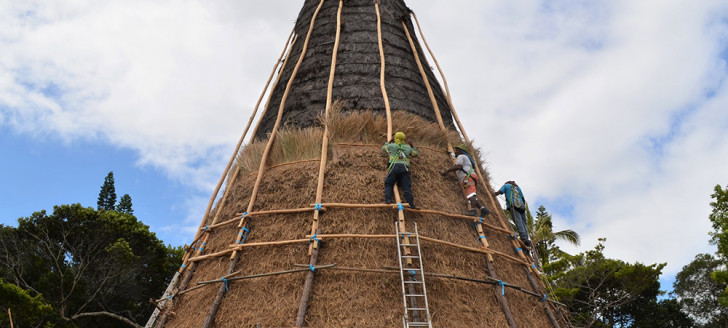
(516, 199)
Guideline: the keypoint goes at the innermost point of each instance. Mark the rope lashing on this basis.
(402, 235)
(400, 207)
(481, 237)
(169, 297)
(412, 273)
(239, 242)
(243, 215)
(205, 229)
(227, 284)
(518, 249)
(313, 269)
(533, 266)
(183, 266)
(241, 233)
(544, 298)
(317, 206)
(313, 238)
(202, 247)
(503, 286)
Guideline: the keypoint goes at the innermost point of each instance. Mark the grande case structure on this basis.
(296, 233)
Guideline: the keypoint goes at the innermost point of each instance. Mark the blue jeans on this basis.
(520, 219)
(398, 174)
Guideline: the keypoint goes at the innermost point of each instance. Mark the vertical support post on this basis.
(313, 249)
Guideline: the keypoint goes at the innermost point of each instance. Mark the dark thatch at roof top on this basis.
(358, 65)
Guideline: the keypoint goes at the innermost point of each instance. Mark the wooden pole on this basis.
(234, 257)
(502, 300)
(382, 59)
(10, 316)
(313, 248)
(268, 146)
(307, 288)
(185, 281)
(240, 142)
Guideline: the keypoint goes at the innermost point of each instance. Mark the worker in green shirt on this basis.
(399, 166)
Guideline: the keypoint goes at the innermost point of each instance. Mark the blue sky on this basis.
(43, 172)
(619, 106)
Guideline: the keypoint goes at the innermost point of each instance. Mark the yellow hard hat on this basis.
(399, 137)
(462, 147)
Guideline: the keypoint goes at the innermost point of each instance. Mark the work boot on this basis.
(484, 212)
(472, 212)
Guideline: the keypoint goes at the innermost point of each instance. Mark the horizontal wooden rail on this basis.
(384, 269)
(374, 145)
(460, 216)
(238, 215)
(237, 247)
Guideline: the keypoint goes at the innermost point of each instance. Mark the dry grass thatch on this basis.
(350, 298)
(294, 144)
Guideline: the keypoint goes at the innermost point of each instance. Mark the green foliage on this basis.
(87, 261)
(719, 236)
(602, 292)
(698, 294)
(107, 195)
(124, 205)
(544, 238)
(662, 314)
(27, 310)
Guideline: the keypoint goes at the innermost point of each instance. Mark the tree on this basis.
(96, 268)
(544, 237)
(107, 195)
(124, 205)
(719, 237)
(602, 292)
(27, 310)
(697, 293)
(662, 314)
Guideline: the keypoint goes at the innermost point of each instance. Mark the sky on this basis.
(611, 114)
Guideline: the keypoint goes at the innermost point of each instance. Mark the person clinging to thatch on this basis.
(398, 170)
(464, 168)
(516, 204)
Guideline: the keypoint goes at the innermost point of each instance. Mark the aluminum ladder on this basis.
(415, 292)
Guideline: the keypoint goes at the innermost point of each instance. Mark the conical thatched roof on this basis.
(300, 236)
(357, 65)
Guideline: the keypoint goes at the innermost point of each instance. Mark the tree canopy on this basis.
(94, 267)
(603, 292)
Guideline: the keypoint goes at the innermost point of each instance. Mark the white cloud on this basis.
(175, 81)
(574, 101)
(617, 107)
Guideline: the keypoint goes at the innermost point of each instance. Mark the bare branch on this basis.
(107, 314)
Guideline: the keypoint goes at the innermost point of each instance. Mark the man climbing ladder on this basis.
(398, 170)
(516, 204)
(464, 168)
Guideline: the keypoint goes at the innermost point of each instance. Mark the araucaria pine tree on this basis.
(124, 205)
(107, 195)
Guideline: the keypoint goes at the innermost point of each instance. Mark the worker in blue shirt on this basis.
(516, 204)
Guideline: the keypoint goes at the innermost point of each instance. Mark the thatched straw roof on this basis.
(255, 261)
(357, 67)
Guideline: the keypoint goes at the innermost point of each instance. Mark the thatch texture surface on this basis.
(355, 174)
(357, 76)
